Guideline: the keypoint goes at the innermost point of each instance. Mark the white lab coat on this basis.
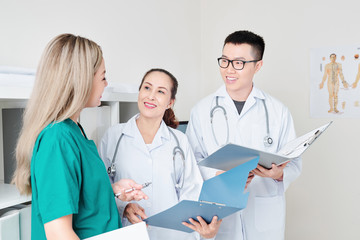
(264, 216)
(152, 163)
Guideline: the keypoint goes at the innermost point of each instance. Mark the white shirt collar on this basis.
(132, 130)
(255, 93)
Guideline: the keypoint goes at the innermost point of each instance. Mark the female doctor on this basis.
(148, 149)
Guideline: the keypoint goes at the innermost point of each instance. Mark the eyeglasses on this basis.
(237, 64)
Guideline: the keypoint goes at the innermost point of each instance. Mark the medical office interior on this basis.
(186, 38)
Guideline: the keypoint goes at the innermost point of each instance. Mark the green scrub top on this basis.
(68, 177)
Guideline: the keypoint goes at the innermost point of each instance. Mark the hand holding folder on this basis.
(220, 196)
(231, 155)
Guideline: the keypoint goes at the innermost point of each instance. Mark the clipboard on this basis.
(220, 196)
(231, 155)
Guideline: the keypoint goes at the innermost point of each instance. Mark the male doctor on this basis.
(240, 113)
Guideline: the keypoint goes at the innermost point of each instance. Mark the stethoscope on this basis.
(176, 151)
(268, 141)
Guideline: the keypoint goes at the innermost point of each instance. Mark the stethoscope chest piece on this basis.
(111, 170)
(268, 141)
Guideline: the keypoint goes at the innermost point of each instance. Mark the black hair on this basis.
(255, 41)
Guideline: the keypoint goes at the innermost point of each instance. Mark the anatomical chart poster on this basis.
(335, 86)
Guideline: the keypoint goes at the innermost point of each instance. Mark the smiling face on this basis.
(98, 86)
(239, 82)
(155, 95)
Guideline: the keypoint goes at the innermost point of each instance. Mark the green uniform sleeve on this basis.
(57, 174)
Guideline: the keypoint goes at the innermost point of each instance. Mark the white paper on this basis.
(136, 231)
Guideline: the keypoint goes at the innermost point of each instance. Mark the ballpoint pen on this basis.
(144, 185)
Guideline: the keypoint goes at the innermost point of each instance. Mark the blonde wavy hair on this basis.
(62, 87)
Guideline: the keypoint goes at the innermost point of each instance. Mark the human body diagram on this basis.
(333, 71)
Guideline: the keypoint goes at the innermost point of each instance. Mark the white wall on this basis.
(186, 37)
(324, 202)
(135, 36)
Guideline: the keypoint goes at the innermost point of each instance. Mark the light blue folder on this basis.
(220, 196)
(231, 155)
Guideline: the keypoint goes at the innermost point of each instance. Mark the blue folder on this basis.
(220, 196)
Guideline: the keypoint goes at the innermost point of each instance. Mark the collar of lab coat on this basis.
(250, 101)
(161, 135)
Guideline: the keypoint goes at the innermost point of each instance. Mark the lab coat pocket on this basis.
(269, 213)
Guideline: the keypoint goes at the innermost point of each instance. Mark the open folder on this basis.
(220, 196)
(231, 155)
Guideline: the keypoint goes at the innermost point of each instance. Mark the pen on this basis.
(307, 142)
(317, 133)
(144, 185)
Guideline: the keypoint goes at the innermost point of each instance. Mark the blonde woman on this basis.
(72, 196)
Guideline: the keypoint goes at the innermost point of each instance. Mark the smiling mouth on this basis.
(231, 79)
(149, 105)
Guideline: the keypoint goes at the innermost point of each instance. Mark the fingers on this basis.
(133, 211)
(126, 197)
(214, 221)
(251, 176)
(204, 229)
(259, 170)
(195, 223)
(282, 165)
(135, 185)
(139, 195)
(192, 227)
(131, 216)
(202, 222)
(249, 179)
(129, 190)
(141, 212)
(209, 230)
(276, 172)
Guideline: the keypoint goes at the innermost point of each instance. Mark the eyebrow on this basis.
(158, 87)
(238, 58)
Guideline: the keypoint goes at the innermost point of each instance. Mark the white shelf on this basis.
(10, 196)
(17, 94)
(14, 93)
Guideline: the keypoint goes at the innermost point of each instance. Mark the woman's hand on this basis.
(276, 172)
(204, 229)
(124, 184)
(133, 211)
